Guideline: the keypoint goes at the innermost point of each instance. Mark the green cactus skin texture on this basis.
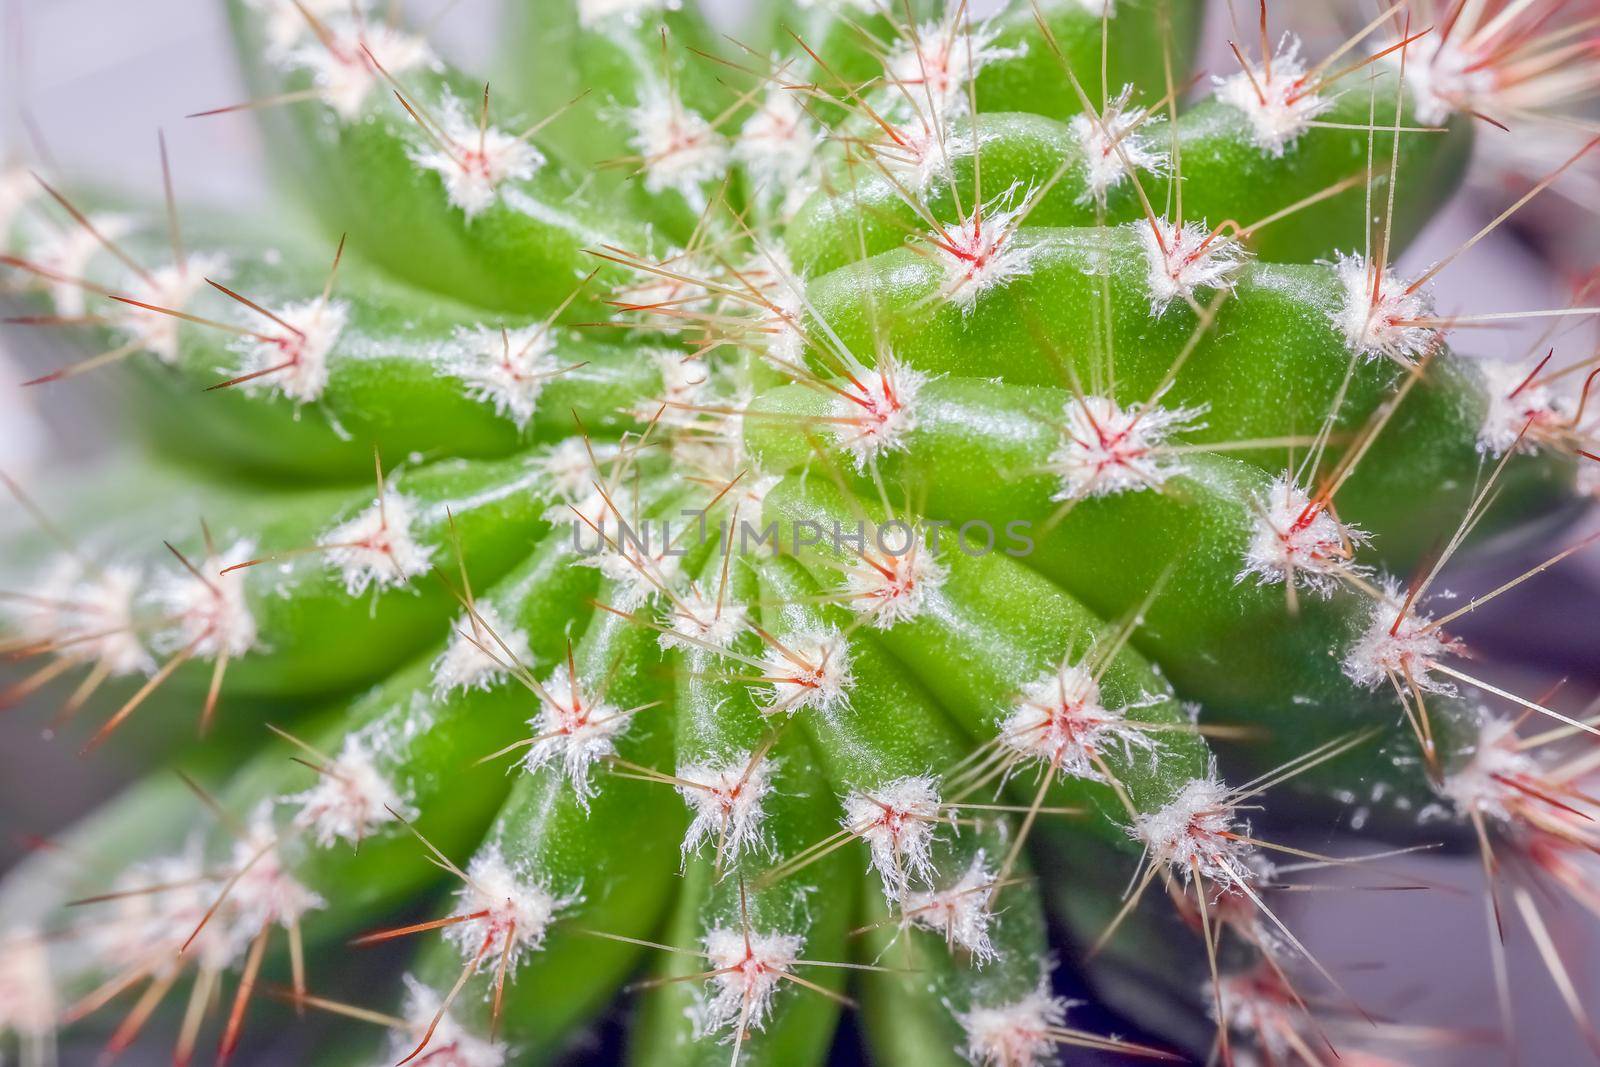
(704, 537)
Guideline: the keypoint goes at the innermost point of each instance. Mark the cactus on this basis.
(748, 533)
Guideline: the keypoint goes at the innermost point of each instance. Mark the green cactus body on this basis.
(857, 518)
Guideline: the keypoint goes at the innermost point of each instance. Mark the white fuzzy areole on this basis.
(452, 1044)
(1188, 835)
(748, 966)
(1445, 79)
(1186, 259)
(159, 905)
(27, 990)
(1108, 449)
(573, 731)
(777, 142)
(917, 151)
(571, 465)
(727, 801)
(264, 892)
(881, 408)
(1522, 413)
(981, 253)
(175, 287)
(286, 24)
(1018, 1034)
(1385, 652)
(341, 70)
(1111, 146)
(506, 369)
(1062, 721)
(640, 563)
(592, 13)
(1274, 97)
(210, 617)
(1487, 783)
(68, 253)
(696, 620)
(465, 663)
(811, 672)
(679, 150)
(960, 912)
(936, 63)
(890, 588)
(684, 383)
(351, 800)
(898, 820)
(378, 548)
(294, 362)
(1294, 536)
(89, 612)
(1383, 324)
(519, 907)
(472, 162)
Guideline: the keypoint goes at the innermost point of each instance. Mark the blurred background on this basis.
(86, 84)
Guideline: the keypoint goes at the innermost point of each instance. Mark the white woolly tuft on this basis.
(520, 910)
(680, 151)
(210, 614)
(776, 143)
(1487, 783)
(880, 407)
(294, 363)
(1188, 835)
(641, 565)
(286, 24)
(683, 383)
(592, 13)
(1185, 259)
(748, 968)
(1296, 537)
(960, 913)
(892, 588)
(918, 151)
(934, 64)
(452, 1044)
(980, 253)
(478, 161)
(264, 892)
(1108, 449)
(574, 732)
(174, 286)
(810, 672)
(898, 821)
(1383, 326)
(726, 800)
(68, 252)
(477, 656)
(1523, 413)
(378, 549)
(27, 990)
(507, 369)
(351, 798)
(1444, 79)
(571, 467)
(1111, 145)
(1403, 653)
(1278, 105)
(341, 70)
(697, 620)
(158, 905)
(1018, 1034)
(89, 613)
(1061, 721)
